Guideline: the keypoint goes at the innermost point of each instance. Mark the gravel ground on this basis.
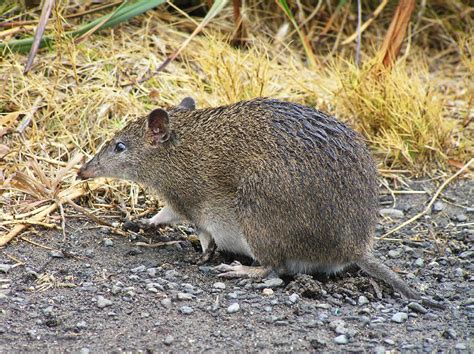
(98, 291)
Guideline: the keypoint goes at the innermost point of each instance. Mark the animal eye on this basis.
(119, 147)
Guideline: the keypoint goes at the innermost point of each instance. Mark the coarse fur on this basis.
(283, 183)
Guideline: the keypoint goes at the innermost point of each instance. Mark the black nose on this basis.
(81, 174)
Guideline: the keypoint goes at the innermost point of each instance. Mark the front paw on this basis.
(145, 224)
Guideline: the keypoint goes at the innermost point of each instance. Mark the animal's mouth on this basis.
(85, 172)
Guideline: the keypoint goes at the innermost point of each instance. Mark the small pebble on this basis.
(461, 217)
(400, 317)
(438, 206)
(233, 308)
(186, 310)
(108, 242)
(4, 268)
(450, 334)
(391, 213)
(219, 285)
(379, 349)
(168, 340)
(184, 296)
(84, 351)
(459, 272)
(362, 300)
(460, 346)
(273, 283)
(294, 298)
(267, 292)
(56, 254)
(419, 262)
(342, 339)
(151, 272)
(389, 341)
(103, 302)
(166, 302)
(138, 269)
(81, 324)
(417, 307)
(395, 253)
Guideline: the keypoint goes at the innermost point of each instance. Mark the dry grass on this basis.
(415, 117)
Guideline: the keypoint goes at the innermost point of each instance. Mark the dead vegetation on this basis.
(415, 114)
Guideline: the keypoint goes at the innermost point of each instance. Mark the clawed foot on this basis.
(208, 253)
(145, 224)
(237, 270)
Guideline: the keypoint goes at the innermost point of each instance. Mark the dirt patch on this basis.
(97, 291)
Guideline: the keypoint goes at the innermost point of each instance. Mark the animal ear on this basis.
(158, 126)
(188, 103)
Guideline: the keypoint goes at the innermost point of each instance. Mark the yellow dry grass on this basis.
(76, 96)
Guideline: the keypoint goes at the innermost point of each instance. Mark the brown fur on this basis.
(300, 185)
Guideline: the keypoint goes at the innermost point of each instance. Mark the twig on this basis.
(89, 215)
(30, 222)
(359, 20)
(430, 204)
(45, 12)
(29, 116)
(156, 245)
(16, 260)
(36, 243)
(95, 218)
(367, 23)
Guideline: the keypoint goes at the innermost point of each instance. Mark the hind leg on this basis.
(237, 270)
(208, 246)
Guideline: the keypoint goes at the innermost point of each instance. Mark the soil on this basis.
(97, 291)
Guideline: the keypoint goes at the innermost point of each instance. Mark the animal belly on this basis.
(228, 237)
(293, 266)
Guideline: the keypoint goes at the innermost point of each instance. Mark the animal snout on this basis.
(84, 172)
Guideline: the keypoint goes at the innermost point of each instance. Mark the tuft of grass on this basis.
(400, 113)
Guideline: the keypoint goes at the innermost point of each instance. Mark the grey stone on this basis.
(151, 272)
(219, 285)
(184, 296)
(294, 298)
(417, 307)
(115, 289)
(103, 302)
(169, 339)
(391, 213)
(233, 308)
(166, 302)
(56, 254)
(419, 262)
(342, 339)
(362, 300)
(81, 324)
(461, 217)
(186, 310)
(438, 206)
(4, 268)
(380, 349)
(460, 346)
(108, 242)
(400, 317)
(138, 269)
(273, 283)
(459, 272)
(396, 253)
(450, 334)
(389, 341)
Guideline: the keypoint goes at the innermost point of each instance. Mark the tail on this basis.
(375, 268)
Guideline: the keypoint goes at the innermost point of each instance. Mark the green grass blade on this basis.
(122, 14)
